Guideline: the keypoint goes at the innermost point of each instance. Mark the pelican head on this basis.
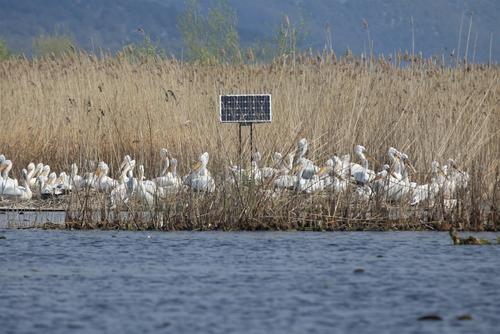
(301, 148)
(5, 168)
(31, 167)
(46, 170)
(204, 159)
(62, 177)
(359, 149)
(2, 158)
(102, 169)
(38, 169)
(392, 152)
(163, 153)
(52, 178)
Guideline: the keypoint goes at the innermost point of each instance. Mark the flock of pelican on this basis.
(294, 172)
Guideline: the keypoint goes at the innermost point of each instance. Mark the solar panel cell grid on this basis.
(245, 108)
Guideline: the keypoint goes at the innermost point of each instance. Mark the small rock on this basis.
(464, 317)
(359, 270)
(3, 237)
(430, 317)
(380, 255)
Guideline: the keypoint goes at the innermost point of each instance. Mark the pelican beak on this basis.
(98, 172)
(295, 168)
(322, 171)
(393, 175)
(196, 165)
(2, 167)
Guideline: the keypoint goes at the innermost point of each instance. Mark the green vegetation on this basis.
(53, 45)
(211, 38)
(5, 53)
(147, 49)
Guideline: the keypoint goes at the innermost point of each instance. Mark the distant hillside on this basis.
(110, 24)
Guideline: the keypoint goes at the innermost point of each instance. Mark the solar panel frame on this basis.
(248, 108)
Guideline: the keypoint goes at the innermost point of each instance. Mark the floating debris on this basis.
(464, 317)
(430, 317)
(471, 240)
(359, 270)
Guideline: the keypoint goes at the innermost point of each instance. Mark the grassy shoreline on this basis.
(80, 108)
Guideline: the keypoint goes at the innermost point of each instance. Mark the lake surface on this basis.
(216, 282)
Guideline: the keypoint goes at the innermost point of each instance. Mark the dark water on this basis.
(144, 282)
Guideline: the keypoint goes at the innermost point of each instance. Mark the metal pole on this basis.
(240, 144)
(251, 143)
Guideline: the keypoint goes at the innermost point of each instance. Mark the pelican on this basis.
(43, 177)
(269, 172)
(427, 191)
(361, 174)
(308, 184)
(104, 183)
(200, 179)
(36, 173)
(121, 193)
(169, 179)
(285, 180)
(380, 182)
(147, 191)
(22, 192)
(165, 160)
(49, 187)
(300, 161)
(5, 180)
(456, 179)
(170, 183)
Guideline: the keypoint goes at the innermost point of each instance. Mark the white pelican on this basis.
(300, 161)
(5, 180)
(37, 172)
(455, 180)
(75, 181)
(121, 192)
(22, 192)
(380, 182)
(200, 179)
(165, 161)
(49, 187)
(286, 178)
(333, 175)
(169, 179)
(310, 184)
(43, 177)
(63, 182)
(269, 172)
(146, 190)
(104, 183)
(361, 174)
(427, 191)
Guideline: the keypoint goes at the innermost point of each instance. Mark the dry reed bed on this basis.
(81, 107)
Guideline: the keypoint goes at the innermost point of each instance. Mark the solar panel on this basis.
(245, 108)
